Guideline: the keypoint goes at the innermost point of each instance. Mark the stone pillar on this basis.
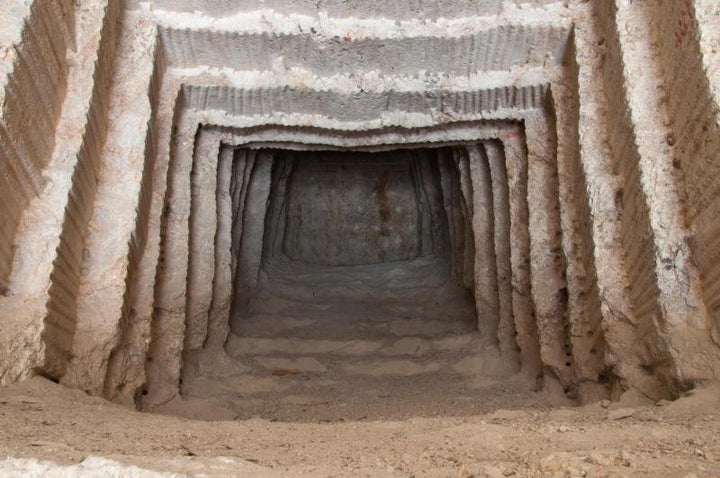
(126, 374)
(522, 302)
(219, 318)
(547, 261)
(486, 285)
(114, 217)
(168, 323)
(455, 211)
(584, 315)
(463, 167)
(277, 212)
(686, 354)
(501, 213)
(203, 226)
(605, 194)
(253, 232)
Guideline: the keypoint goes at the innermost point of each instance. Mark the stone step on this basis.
(290, 369)
(319, 379)
(316, 375)
(339, 395)
(350, 326)
(390, 347)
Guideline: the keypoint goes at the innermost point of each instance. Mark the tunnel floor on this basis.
(522, 434)
(360, 349)
(374, 363)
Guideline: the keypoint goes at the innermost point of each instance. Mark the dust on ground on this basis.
(44, 421)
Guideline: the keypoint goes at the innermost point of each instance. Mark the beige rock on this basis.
(620, 413)
(390, 209)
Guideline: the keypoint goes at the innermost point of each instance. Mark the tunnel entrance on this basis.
(350, 238)
(356, 287)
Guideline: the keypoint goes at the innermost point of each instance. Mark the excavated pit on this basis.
(310, 211)
(351, 284)
(347, 231)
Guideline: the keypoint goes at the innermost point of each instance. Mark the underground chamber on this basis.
(213, 205)
(347, 232)
(339, 274)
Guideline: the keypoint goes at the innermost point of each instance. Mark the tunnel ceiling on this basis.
(580, 188)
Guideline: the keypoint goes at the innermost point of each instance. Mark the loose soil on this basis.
(42, 420)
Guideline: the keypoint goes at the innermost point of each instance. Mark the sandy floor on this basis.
(39, 419)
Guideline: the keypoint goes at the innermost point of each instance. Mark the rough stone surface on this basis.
(349, 196)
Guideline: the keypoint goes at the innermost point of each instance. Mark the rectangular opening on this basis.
(338, 233)
(353, 275)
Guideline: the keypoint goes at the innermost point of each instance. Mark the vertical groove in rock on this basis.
(636, 234)
(424, 231)
(461, 162)
(76, 177)
(203, 226)
(243, 165)
(587, 340)
(278, 208)
(168, 323)
(219, 317)
(682, 315)
(516, 161)
(118, 170)
(126, 375)
(486, 278)
(606, 198)
(693, 134)
(458, 221)
(253, 229)
(33, 87)
(547, 261)
(501, 213)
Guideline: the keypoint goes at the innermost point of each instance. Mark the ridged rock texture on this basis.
(545, 175)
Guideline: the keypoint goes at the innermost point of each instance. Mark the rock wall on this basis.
(571, 188)
(331, 199)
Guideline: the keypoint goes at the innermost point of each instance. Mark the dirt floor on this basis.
(44, 421)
